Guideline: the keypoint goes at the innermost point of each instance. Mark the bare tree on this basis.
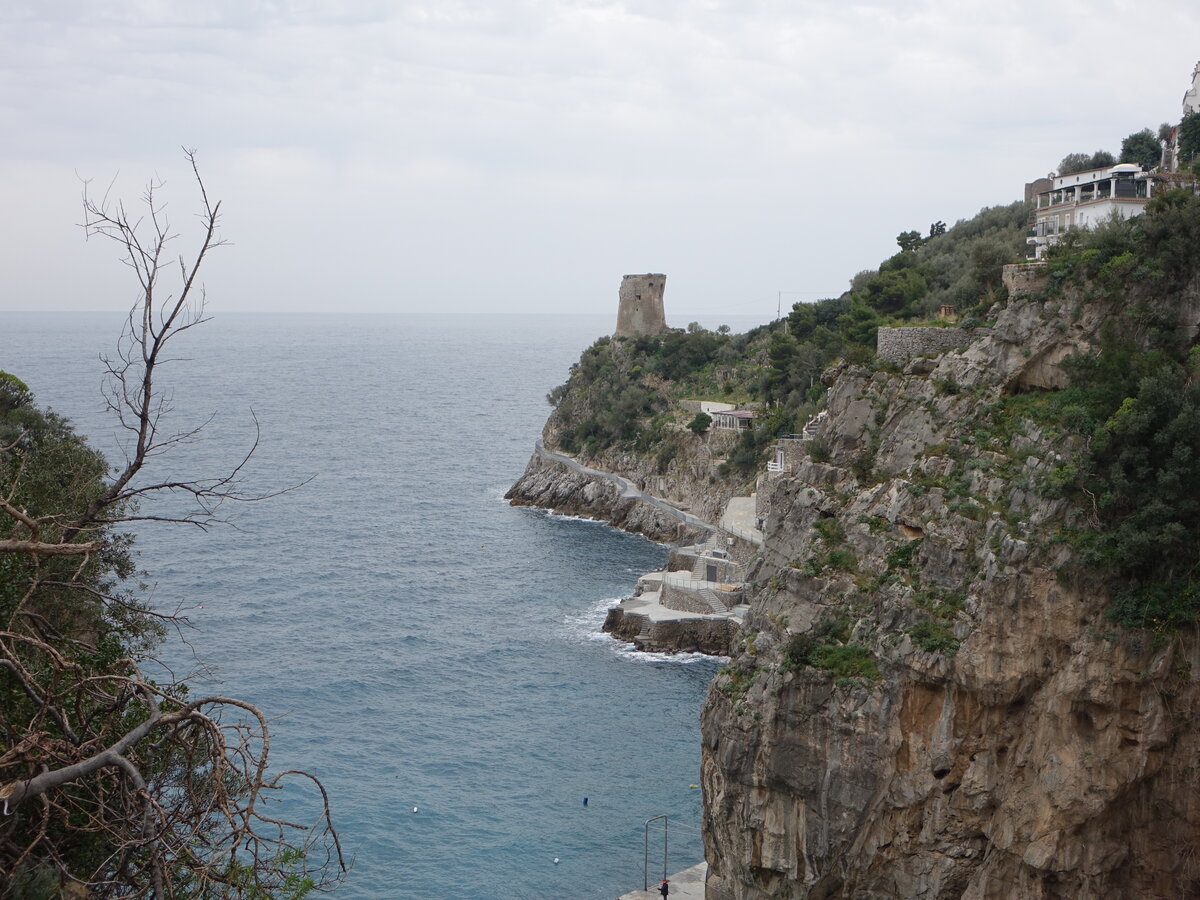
(113, 784)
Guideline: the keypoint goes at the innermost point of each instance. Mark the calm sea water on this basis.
(418, 641)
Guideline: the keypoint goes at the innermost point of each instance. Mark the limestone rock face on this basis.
(1015, 744)
(550, 485)
(688, 481)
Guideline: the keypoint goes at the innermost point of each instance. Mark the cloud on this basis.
(745, 148)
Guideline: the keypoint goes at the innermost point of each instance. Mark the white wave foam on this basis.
(630, 652)
(585, 626)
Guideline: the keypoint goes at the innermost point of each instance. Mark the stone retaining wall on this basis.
(681, 599)
(899, 345)
(713, 635)
(1024, 279)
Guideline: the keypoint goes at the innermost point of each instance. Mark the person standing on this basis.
(665, 887)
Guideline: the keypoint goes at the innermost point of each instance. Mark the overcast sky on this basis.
(522, 155)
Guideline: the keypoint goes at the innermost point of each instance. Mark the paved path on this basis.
(739, 518)
(649, 604)
(629, 490)
(685, 885)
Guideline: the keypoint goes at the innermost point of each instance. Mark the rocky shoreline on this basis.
(550, 484)
(673, 611)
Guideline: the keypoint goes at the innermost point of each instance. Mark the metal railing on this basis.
(646, 856)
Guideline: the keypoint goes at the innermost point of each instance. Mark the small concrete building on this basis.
(733, 419)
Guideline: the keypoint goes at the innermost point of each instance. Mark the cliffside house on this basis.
(1087, 198)
(733, 419)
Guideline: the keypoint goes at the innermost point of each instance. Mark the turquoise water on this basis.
(418, 641)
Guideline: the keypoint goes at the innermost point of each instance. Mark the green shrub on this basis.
(902, 556)
(830, 529)
(846, 661)
(1136, 405)
(818, 449)
(841, 560)
(798, 652)
(825, 648)
(934, 637)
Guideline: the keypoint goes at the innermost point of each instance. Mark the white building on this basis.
(1191, 104)
(1087, 199)
(1191, 100)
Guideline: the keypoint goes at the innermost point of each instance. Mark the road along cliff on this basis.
(559, 482)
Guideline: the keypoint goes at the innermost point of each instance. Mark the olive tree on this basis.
(1143, 148)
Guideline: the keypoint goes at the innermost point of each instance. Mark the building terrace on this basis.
(1087, 199)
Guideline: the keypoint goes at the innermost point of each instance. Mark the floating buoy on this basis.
(693, 786)
(414, 809)
(556, 860)
(585, 801)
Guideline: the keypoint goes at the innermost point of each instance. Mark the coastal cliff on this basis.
(974, 724)
(550, 481)
(970, 664)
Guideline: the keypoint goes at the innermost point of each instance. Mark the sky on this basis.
(523, 155)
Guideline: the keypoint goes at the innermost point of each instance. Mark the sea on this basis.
(431, 653)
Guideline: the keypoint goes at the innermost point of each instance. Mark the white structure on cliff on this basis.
(1191, 99)
(1087, 198)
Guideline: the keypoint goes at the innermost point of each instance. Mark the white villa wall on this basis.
(1093, 214)
(1191, 100)
(1081, 178)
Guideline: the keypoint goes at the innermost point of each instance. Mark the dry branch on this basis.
(110, 782)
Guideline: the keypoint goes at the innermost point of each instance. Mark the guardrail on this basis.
(646, 856)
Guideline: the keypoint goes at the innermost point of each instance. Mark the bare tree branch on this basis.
(169, 794)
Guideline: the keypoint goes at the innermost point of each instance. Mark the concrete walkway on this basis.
(629, 490)
(649, 604)
(739, 518)
(685, 885)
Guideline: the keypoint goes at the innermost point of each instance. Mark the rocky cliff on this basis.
(687, 481)
(924, 703)
(932, 695)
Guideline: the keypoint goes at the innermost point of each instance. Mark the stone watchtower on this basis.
(641, 309)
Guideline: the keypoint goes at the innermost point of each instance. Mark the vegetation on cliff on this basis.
(932, 695)
(624, 393)
(1134, 402)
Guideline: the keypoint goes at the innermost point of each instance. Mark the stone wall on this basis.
(899, 345)
(683, 600)
(1024, 278)
(713, 635)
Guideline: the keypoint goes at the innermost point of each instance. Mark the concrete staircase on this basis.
(715, 603)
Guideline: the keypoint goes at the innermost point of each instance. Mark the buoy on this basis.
(414, 809)
(556, 860)
(585, 801)
(693, 786)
